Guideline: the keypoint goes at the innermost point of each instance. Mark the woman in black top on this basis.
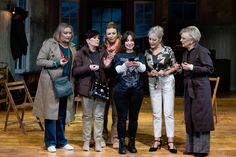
(197, 66)
(128, 90)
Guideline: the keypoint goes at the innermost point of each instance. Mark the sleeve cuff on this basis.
(54, 65)
(142, 67)
(58, 63)
(121, 68)
(191, 67)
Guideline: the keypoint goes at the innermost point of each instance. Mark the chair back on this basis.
(216, 81)
(18, 88)
(19, 99)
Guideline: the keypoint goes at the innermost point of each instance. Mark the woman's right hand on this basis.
(94, 67)
(129, 63)
(153, 73)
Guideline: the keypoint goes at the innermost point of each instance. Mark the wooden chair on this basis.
(216, 81)
(19, 104)
(3, 79)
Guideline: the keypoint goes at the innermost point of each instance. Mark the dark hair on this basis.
(91, 33)
(124, 38)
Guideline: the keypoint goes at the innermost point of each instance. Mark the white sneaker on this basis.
(68, 147)
(52, 149)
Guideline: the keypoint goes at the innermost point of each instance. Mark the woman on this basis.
(56, 58)
(160, 61)
(128, 91)
(111, 47)
(197, 66)
(89, 67)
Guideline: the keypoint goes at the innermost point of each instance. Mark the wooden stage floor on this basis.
(223, 139)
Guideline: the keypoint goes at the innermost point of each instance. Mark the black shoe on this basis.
(200, 154)
(122, 149)
(153, 148)
(188, 153)
(172, 150)
(131, 146)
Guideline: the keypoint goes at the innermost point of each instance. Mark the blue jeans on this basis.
(55, 129)
(128, 102)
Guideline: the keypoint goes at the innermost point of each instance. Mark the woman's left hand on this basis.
(161, 73)
(107, 61)
(136, 64)
(166, 73)
(186, 66)
(63, 61)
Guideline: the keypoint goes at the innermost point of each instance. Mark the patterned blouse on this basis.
(161, 61)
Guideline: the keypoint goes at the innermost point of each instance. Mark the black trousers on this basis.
(128, 102)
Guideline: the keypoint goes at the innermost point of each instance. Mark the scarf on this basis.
(113, 48)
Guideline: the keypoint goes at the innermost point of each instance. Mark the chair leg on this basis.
(216, 110)
(40, 123)
(19, 120)
(22, 115)
(7, 116)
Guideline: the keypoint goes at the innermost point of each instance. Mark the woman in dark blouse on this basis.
(197, 65)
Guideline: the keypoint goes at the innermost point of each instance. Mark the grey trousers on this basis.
(93, 113)
(198, 142)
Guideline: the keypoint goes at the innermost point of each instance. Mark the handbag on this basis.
(61, 86)
(99, 91)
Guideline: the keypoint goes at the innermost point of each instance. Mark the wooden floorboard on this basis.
(223, 140)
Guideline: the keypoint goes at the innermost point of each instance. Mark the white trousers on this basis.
(162, 92)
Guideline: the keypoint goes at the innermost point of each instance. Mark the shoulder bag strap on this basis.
(49, 75)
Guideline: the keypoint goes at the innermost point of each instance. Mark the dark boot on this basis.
(122, 149)
(131, 145)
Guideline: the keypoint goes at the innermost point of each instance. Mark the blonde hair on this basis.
(60, 29)
(193, 32)
(156, 30)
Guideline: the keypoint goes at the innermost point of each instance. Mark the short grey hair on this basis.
(157, 30)
(193, 32)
